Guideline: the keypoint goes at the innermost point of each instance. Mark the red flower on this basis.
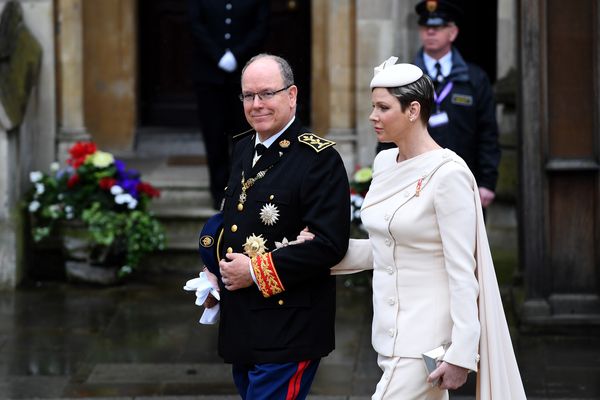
(148, 189)
(73, 180)
(106, 183)
(79, 151)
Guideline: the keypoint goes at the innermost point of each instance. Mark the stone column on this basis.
(70, 75)
(20, 86)
(333, 72)
(383, 29)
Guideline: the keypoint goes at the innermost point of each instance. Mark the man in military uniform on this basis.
(464, 118)
(277, 296)
(225, 35)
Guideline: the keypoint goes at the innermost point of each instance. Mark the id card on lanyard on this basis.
(440, 117)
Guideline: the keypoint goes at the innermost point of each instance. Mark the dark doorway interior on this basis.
(166, 91)
(165, 45)
(477, 38)
(290, 38)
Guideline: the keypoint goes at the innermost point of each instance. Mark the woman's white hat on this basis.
(390, 74)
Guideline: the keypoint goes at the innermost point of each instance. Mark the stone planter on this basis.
(85, 260)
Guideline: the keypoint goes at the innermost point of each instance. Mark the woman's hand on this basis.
(304, 234)
(451, 376)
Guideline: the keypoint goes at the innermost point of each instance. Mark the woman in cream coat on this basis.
(433, 279)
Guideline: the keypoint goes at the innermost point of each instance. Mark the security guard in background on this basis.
(464, 118)
(277, 297)
(225, 35)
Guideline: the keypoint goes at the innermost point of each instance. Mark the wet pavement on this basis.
(141, 340)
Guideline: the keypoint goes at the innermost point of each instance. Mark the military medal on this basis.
(255, 246)
(269, 214)
(283, 243)
(247, 184)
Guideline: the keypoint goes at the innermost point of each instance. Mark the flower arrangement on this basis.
(110, 200)
(359, 186)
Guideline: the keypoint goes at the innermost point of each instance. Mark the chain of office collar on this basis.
(247, 184)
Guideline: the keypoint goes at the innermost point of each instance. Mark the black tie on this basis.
(438, 73)
(260, 149)
(439, 78)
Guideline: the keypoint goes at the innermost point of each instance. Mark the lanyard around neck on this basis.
(443, 94)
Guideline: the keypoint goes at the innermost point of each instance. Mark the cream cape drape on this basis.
(498, 376)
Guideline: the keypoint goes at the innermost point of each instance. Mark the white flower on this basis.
(54, 167)
(39, 188)
(132, 204)
(101, 159)
(123, 198)
(116, 190)
(34, 206)
(68, 209)
(35, 176)
(357, 200)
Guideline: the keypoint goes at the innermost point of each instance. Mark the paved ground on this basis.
(142, 340)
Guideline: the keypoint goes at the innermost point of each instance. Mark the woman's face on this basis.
(389, 121)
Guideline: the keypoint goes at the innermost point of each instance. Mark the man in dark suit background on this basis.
(277, 297)
(225, 34)
(464, 118)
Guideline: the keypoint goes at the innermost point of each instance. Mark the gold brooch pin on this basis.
(418, 190)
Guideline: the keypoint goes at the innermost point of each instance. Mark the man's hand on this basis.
(451, 376)
(228, 62)
(235, 274)
(486, 196)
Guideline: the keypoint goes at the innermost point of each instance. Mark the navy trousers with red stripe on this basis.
(289, 381)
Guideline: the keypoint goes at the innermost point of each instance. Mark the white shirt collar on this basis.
(273, 138)
(445, 63)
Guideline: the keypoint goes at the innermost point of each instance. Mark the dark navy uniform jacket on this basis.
(291, 317)
(472, 132)
(237, 25)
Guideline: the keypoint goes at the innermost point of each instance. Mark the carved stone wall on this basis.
(27, 132)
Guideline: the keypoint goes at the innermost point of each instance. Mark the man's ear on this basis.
(293, 93)
(453, 32)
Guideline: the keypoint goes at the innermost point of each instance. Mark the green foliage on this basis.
(109, 199)
(136, 232)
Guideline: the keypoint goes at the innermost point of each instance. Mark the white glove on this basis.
(203, 287)
(228, 62)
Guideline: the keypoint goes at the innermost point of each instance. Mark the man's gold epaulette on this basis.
(314, 141)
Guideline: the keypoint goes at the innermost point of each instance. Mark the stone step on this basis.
(183, 225)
